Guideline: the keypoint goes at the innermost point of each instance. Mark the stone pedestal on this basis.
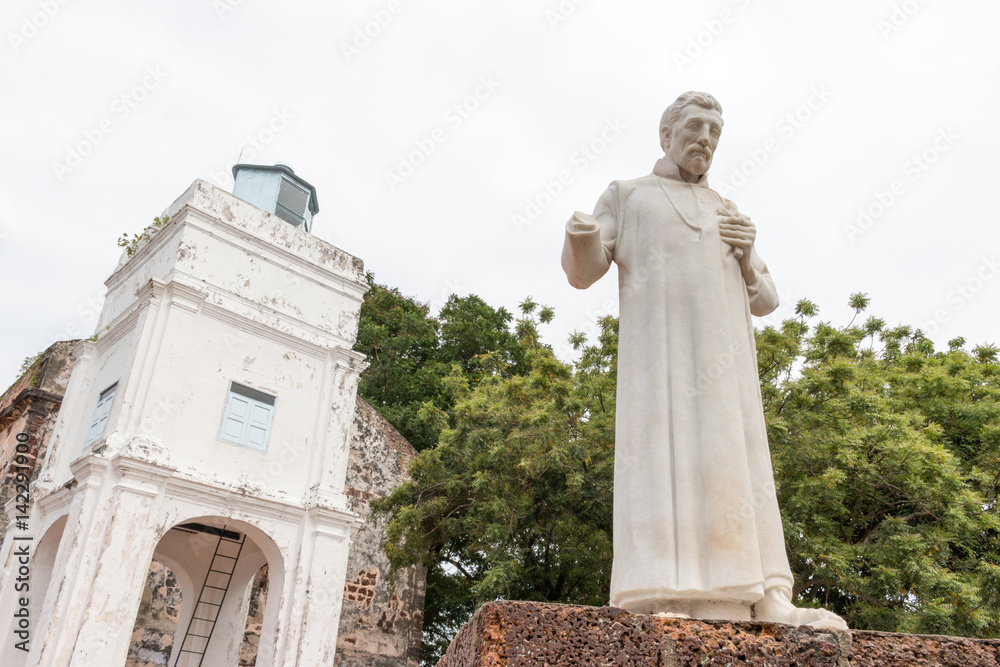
(523, 634)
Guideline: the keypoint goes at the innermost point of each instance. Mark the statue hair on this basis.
(673, 112)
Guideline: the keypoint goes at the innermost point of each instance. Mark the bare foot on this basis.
(670, 614)
(775, 607)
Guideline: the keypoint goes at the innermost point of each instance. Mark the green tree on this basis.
(400, 339)
(472, 329)
(886, 458)
(515, 500)
(410, 353)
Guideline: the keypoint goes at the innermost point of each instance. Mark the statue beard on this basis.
(695, 162)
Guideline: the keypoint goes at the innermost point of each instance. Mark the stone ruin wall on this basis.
(519, 634)
(153, 638)
(379, 627)
(30, 406)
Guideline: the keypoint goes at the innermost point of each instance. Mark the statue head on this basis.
(690, 130)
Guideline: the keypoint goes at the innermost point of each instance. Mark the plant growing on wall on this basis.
(131, 245)
(29, 362)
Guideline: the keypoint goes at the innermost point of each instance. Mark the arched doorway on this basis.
(215, 563)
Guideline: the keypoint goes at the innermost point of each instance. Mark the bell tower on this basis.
(207, 425)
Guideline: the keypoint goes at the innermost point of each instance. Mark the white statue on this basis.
(697, 531)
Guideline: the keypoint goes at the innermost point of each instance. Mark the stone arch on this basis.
(187, 548)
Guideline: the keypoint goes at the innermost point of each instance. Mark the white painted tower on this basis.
(207, 426)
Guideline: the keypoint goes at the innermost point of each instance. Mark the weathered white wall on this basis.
(213, 299)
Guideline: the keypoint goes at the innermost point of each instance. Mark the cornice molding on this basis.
(154, 479)
(89, 469)
(194, 300)
(121, 326)
(81, 352)
(225, 500)
(293, 340)
(54, 501)
(331, 522)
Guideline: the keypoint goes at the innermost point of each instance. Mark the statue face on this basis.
(693, 138)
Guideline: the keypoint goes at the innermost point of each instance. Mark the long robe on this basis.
(695, 511)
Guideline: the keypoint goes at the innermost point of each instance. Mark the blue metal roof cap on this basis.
(285, 169)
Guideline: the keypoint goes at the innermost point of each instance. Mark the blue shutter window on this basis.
(101, 413)
(248, 416)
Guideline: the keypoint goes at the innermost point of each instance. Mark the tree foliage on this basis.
(886, 456)
(410, 353)
(515, 500)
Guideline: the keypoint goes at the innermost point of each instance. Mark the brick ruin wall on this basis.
(30, 406)
(379, 626)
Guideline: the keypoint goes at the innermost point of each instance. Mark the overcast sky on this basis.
(450, 141)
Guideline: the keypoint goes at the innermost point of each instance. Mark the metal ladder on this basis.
(209, 605)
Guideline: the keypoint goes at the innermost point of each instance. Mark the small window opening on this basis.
(291, 203)
(101, 414)
(248, 416)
